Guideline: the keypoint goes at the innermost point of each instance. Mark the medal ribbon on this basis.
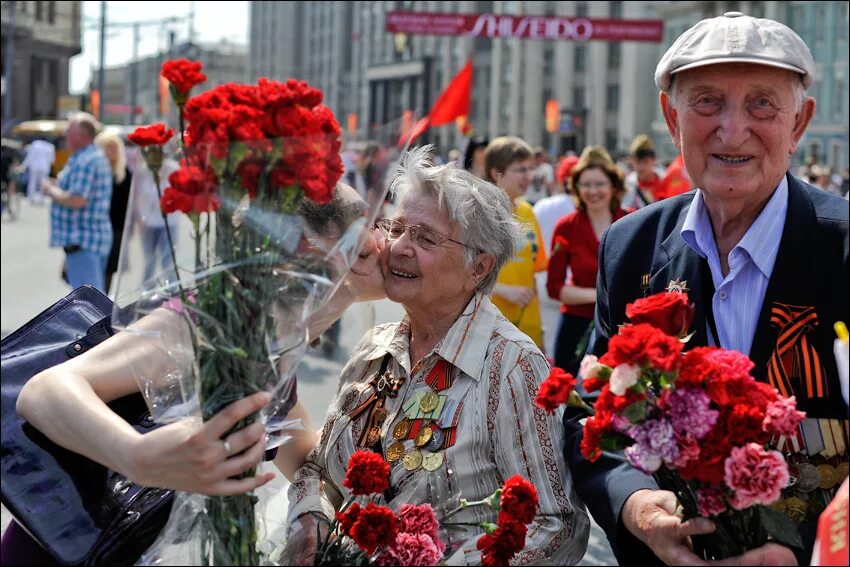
(439, 378)
(794, 357)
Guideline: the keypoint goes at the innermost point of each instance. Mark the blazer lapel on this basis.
(680, 262)
(794, 264)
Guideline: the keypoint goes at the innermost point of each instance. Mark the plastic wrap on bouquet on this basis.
(253, 239)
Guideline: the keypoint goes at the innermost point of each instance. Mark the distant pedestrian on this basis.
(39, 159)
(79, 215)
(113, 147)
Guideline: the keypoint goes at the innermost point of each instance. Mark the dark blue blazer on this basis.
(810, 270)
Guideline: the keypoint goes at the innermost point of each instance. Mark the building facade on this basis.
(604, 89)
(223, 63)
(824, 28)
(46, 35)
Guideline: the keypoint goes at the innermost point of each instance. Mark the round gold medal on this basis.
(412, 460)
(401, 429)
(828, 477)
(423, 436)
(795, 508)
(395, 451)
(842, 470)
(432, 462)
(809, 478)
(429, 402)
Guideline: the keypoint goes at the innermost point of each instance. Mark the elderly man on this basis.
(762, 255)
(79, 215)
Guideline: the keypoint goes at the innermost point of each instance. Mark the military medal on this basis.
(395, 451)
(842, 470)
(828, 477)
(429, 402)
(432, 462)
(436, 442)
(401, 429)
(677, 285)
(423, 435)
(380, 415)
(412, 460)
(795, 508)
(809, 479)
(374, 435)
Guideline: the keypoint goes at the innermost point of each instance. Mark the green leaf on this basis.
(780, 527)
(614, 441)
(636, 412)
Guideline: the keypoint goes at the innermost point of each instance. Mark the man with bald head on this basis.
(762, 255)
(79, 215)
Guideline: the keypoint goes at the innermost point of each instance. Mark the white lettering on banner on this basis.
(490, 25)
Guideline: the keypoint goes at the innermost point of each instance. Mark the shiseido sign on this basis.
(525, 27)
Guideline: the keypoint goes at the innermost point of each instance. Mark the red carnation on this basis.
(368, 473)
(644, 345)
(519, 500)
(348, 518)
(376, 526)
(668, 312)
(173, 200)
(555, 390)
(183, 75)
(499, 547)
(153, 135)
(709, 467)
(593, 430)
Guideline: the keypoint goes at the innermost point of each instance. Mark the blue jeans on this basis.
(85, 267)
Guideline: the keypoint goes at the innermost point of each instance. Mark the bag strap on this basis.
(95, 335)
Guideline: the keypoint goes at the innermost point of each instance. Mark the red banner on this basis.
(526, 27)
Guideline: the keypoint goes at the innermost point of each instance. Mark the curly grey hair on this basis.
(481, 210)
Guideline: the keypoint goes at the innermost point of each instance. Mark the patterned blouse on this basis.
(499, 432)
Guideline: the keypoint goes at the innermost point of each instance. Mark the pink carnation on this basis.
(757, 476)
(710, 502)
(590, 367)
(420, 520)
(782, 417)
(410, 549)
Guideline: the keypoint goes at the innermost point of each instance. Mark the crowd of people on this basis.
(463, 251)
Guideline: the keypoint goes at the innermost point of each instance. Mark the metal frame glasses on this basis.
(422, 236)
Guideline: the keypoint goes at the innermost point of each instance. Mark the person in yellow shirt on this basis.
(508, 162)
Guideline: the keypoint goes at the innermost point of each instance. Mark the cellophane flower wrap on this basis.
(697, 421)
(249, 239)
(410, 530)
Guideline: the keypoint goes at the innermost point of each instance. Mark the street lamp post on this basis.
(9, 78)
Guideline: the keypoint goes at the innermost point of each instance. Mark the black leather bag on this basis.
(80, 512)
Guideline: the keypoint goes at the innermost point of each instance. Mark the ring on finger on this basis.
(227, 448)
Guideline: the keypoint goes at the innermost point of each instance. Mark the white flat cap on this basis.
(736, 38)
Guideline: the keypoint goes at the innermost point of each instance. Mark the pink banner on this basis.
(526, 27)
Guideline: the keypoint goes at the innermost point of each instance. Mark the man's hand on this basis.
(650, 515)
(48, 185)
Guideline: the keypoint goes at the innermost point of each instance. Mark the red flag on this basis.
(452, 103)
(675, 179)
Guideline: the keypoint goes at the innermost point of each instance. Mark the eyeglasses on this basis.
(594, 185)
(422, 236)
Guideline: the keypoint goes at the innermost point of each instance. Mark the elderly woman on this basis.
(459, 369)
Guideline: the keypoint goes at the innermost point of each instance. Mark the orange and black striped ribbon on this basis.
(795, 358)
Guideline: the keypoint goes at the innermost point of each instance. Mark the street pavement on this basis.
(30, 282)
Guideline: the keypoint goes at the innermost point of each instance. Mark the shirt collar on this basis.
(761, 241)
(464, 345)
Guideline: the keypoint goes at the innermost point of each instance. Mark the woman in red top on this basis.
(598, 188)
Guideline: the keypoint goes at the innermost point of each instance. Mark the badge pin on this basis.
(677, 285)
(412, 460)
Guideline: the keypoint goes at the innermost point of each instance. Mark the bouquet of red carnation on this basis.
(256, 243)
(379, 535)
(698, 422)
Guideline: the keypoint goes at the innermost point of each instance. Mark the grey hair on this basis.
(481, 210)
(799, 93)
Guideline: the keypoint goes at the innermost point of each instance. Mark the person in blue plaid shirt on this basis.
(79, 215)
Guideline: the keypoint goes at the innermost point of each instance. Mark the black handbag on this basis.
(79, 511)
